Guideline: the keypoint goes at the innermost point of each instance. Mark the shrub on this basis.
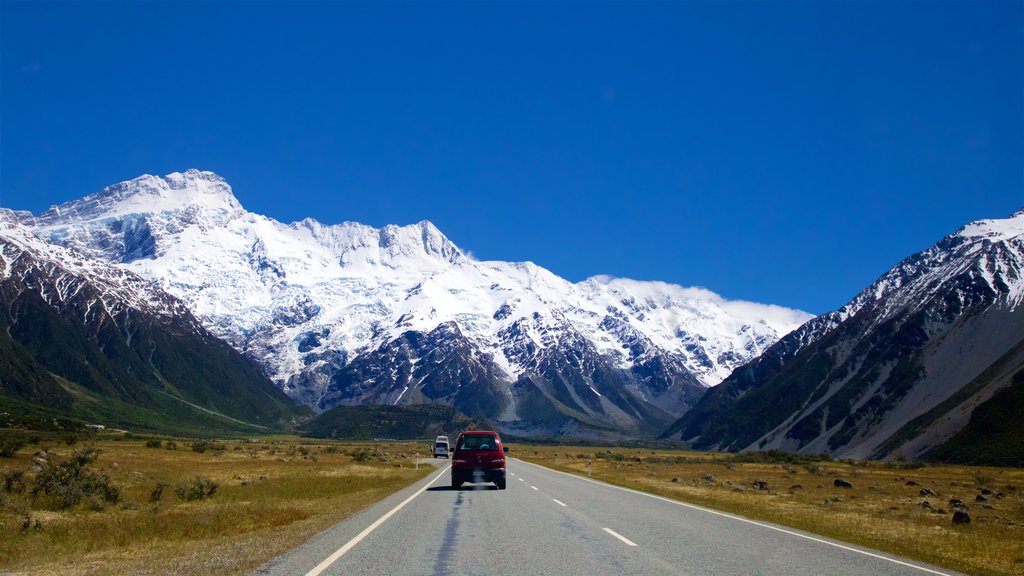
(14, 482)
(11, 443)
(68, 483)
(204, 445)
(154, 443)
(201, 489)
(158, 492)
(70, 439)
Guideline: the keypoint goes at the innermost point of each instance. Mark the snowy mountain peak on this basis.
(396, 240)
(342, 313)
(994, 229)
(179, 191)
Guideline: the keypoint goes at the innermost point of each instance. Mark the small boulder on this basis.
(760, 484)
(961, 517)
(709, 478)
(986, 491)
(911, 483)
(928, 492)
(956, 503)
(840, 483)
(980, 498)
(796, 487)
(926, 505)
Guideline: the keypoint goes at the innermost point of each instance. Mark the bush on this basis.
(158, 492)
(14, 482)
(201, 489)
(11, 443)
(204, 445)
(154, 443)
(68, 483)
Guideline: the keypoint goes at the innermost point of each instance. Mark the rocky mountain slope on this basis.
(349, 314)
(898, 371)
(84, 338)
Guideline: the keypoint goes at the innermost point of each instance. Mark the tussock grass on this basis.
(883, 510)
(270, 496)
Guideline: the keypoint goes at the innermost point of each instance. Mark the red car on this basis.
(478, 457)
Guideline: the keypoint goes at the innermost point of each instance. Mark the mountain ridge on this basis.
(96, 342)
(305, 300)
(851, 382)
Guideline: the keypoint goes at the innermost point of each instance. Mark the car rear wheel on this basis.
(456, 484)
(500, 484)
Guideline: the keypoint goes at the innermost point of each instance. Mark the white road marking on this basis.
(619, 536)
(359, 537)
(741, 519)
(521, 480)
(559, 502)
(534, 487)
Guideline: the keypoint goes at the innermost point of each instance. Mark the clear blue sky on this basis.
(781, 152)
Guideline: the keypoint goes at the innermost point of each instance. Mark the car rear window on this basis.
(478, 443)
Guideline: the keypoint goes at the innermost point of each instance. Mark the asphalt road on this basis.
(548, 522)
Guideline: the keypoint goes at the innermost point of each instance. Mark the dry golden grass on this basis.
(882, 511)
(271, 496)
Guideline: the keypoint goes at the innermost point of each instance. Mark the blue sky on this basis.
(781, 152)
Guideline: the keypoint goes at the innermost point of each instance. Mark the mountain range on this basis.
(348, 314)
(161, 301)
(928, 361)
(89, 340)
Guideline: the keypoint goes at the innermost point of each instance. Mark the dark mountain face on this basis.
(568, 384)
(895, 373)
(89, 340)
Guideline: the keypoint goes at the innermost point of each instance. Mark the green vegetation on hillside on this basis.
(407, 422)
(994, 436)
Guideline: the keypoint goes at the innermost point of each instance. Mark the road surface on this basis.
(548, 522)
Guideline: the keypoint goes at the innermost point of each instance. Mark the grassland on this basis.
(270, 495)
(275, 492)
(884, 509)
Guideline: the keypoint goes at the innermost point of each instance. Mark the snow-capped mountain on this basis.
(347, 313)
(83, 337)
(898, 371)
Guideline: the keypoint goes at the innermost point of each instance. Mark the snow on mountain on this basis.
(117, 289)
(86, 337)
(305, 299)
(897, 371)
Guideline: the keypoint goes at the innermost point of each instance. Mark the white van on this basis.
(441, 447)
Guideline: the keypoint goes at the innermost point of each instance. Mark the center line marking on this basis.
(558, 502)
(520, 479)
(746, 520)
(619, 536)
(534, 487)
